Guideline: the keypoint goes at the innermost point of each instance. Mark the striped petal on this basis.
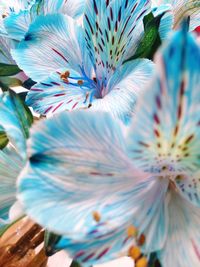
(17, 24)
(52, 42)
(166, 129)
(5, 55)
(123, 88)
(182, 247)
(110, 32)
(10, 166)
(181, 9)
(80, 175)
(98, 251)
(54, 95)
(189, 187)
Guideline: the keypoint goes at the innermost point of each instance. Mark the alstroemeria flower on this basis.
(182, 8)
(17, 15)
(81, 67)
(81, 180)
(12, 157)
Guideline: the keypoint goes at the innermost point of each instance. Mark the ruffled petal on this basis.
(54, 95)
(123, 88)
(110, 32)
(80, 179)
(52, 42)
(165, 133)
(182, 248)
(10, 167)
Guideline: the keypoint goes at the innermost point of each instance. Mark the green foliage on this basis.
(151, 39)
(8, 69)
(50, 241)
(75, 264)
(23, 112)
(153, 261)
(3, 139)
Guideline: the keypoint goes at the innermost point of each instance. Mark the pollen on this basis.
(142, 262)
(141, 240)
(131, 231)
(134, 253)
(80, 82)
(64, 76)
(96, 216)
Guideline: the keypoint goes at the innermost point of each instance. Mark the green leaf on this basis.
(28, 83)
(151, 40)
(50, 241)
(75, 264)
(23, 112)
(153, 261)
(3, 139)
(8, 69)
(10, 81)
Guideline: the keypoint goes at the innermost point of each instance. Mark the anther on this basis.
(142, 262)
(96, 216)
(141, 240)
(132, 231)
(80, 82)
(134, 253)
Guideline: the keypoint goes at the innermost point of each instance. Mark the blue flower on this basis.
(90, 181)
(80, 67)
(180, 9)
(12, 157)
(16, 16)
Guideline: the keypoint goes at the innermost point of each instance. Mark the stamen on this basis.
(142, 262)
(64, 76)
(80, 82)
(132, 231)
(96, 216)
(141, 240)
(134, 253)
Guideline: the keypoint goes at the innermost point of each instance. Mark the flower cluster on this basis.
(102, 146)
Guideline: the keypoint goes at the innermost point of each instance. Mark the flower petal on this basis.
(110, 31)
(189, 187)
(184, 8)
(5, 46)
(10, 167)
(166, 23)
(166, 129)
(181, 9)
(52, 42)
(11, 124)
(124, 86)
(182, 248)
(17, 25)
(89, 185)
(54, 95)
